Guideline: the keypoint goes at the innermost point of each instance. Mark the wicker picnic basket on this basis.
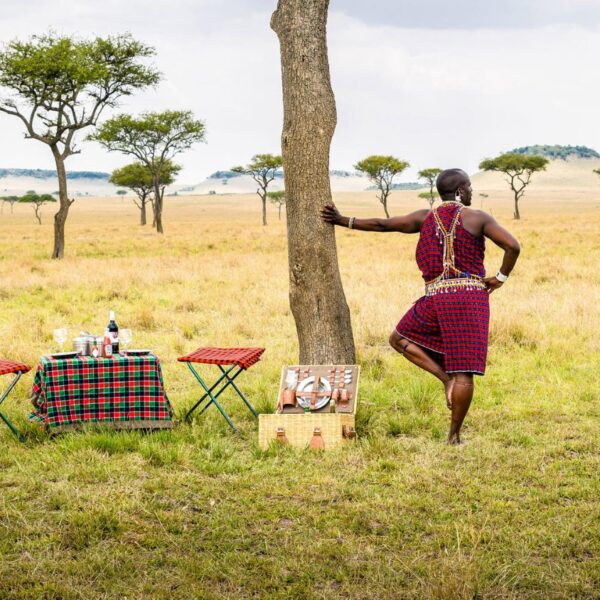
(319, 428)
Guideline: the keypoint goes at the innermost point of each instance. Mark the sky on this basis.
(432, 82)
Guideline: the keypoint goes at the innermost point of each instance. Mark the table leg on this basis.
(2, 416)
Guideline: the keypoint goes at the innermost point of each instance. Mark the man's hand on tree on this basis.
(331, 214)
(492, 284)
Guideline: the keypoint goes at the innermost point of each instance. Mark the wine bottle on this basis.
(113, 331)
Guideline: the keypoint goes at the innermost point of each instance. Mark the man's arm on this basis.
(505, 240)
(410, 223)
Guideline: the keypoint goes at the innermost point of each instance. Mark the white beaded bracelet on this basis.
(501, 277)
(351, 222)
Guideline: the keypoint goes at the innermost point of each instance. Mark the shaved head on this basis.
(450, 180)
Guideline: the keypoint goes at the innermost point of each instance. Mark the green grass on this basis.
(198, 512)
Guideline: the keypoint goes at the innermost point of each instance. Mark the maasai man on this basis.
(445, 332)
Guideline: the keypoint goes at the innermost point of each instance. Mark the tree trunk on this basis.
(37, 214)
(280, 212)
(60, 218)
(263, 197)
(384, 196)
(317, 297)
(158, 203)
(143, 211)
(517, 214)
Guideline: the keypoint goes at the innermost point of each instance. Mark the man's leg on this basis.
(462, 394)
(417, 356)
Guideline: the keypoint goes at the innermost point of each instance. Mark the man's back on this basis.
(446, 248)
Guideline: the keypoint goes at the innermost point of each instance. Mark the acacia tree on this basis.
(154, 139)
(518, 169)
(278, 199)
(317, 297)
(381, 170)
(58, 86)
(262, 168)
(430, 176)
(37, 201)
(138, 177)
(12, 200)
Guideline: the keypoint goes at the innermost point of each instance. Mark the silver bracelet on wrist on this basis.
(351, 222)
(500, 276)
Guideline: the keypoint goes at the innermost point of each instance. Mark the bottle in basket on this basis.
(113, 330)
(107, 347)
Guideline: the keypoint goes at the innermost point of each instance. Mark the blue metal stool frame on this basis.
(229, 375)
(3, 397)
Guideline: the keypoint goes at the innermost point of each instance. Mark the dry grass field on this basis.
(201, 513)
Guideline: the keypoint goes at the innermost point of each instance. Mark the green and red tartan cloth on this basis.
(125, 391)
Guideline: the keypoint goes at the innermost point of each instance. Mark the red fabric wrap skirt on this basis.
(454, 325)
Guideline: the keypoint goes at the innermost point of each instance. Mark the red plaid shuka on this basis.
(124, 391)
(453, 323)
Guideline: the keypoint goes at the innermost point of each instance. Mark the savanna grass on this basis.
(200, 513)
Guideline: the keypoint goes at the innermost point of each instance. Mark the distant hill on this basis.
(47, 174)
(570, 167)
(558, 152)
(15, 182)
(228, 182)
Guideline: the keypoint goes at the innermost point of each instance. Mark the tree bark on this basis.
(158, 204)
(263, 197)
(143, 211)
(317, 297)
(385, 208)
(60, 218)
(517, 214)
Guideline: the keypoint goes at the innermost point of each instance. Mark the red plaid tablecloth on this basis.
(123, 392)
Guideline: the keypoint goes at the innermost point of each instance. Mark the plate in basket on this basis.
(137, 352)
(64, 355)
(305, 387)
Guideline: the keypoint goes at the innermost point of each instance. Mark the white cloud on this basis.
(435, 97)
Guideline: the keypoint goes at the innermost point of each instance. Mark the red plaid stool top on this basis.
(9, 366)
(242, 357)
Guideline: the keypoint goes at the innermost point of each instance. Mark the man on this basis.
(445, 332)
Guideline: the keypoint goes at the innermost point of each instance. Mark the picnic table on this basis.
(123, 392)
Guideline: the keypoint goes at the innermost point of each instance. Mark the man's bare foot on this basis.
(448, 387)
(454, 439)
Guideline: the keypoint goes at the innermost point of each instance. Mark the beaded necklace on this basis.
(451, 278)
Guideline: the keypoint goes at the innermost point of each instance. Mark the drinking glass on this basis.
(60, 336)
(125, 337)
